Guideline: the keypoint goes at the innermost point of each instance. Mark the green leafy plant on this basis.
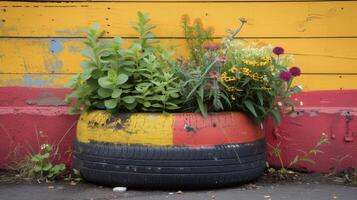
(74, 176)
(259, 82)
(200, 82)
(138, 78)
(226, 76)
(196, 35)
(283, 171)
(41, 166)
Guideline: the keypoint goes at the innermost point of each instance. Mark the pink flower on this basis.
(278, 50)
(221, 60)
(213, 74)
(211, 47)
(295, 71)
(285, 75)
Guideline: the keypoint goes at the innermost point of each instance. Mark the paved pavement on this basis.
(303, 190)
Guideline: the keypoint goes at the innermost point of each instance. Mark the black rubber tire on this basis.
(170, 167)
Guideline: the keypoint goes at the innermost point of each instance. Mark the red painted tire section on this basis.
(192, 129)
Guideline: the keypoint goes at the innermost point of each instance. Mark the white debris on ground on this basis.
(119, 189)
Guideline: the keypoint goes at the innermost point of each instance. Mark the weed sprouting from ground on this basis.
(40, 162)
(283, 172)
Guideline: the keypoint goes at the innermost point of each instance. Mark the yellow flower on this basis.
(258, 62)
(232, 89)
(233, 69)
(229, 78)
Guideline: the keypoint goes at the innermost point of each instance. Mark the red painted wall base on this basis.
(333, 113)
(29, 117)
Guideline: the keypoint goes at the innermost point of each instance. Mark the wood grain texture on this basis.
(41, 41)
(17, 55)
(265, 19)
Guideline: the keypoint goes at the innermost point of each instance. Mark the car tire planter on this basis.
(167, 151)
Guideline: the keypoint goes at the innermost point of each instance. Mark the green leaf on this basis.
(47, 167)
(122, 78)
(293, 162)
(250, 107)
(174, 95)
(315, 151)
(73, 81)
(104, 93)
(36, 158)
(118, 40)
(157, 105)
(61, 166)
(127, 63)
(202, 107)
(111, 103)
(46, 155)
(246, 80)
(276, 117)
(147, 103)
(89, 54)
(116, 93)
(104, 82)
(128, 99)
(37, 168)
(130, 106)
(308, 160)
(171, 106)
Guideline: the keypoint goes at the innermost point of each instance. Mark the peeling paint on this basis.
(71, 32)
(313, 113)
(53, 64)
(30, 80)
(46, 99)
(56, 46)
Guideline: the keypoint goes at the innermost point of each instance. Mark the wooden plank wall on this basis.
(40, 42)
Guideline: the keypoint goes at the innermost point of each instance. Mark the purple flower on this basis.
(211, 47)
(285, 75)
(221, 60)
(213, 74)
(295, 71)
(278, 50)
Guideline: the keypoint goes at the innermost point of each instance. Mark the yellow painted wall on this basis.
(40, 42)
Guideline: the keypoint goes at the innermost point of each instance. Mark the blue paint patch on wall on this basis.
(56, 46)
(30, 80)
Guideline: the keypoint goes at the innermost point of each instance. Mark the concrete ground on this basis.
(312, 188)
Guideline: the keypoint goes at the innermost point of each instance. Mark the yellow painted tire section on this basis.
(136, 128)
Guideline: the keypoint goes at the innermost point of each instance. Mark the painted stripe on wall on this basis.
(40, 41)
(265, 19)
(55, 55)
